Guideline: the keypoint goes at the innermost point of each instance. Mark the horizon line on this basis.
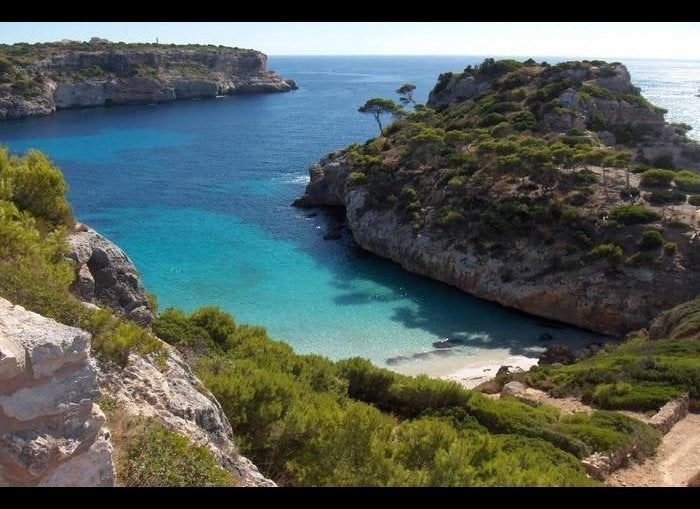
(487, 55)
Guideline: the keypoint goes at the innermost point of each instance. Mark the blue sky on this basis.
(596, 39)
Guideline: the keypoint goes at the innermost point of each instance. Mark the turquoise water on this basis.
(198, 193)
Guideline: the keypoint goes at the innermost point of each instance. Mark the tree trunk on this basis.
(379, 123)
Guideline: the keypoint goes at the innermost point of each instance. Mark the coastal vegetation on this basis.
(481, 170)
(304, 419)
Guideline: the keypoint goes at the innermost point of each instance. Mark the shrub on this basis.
(694, 199)
(611, 252)
(641, 397)
(651, 239)
(657, 178)
(35, 185)
(633, 214)
(457, 181)
(492, 119)
(175, 327)
(114, 340)
(670, 247)
(218, 323)
(687, 181)
(357, 177)
(665, 197)
(150, 455)
(524, 121)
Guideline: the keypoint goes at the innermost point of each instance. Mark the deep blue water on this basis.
(198, 193)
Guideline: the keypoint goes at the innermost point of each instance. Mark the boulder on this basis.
(513, 389)
(106, 276)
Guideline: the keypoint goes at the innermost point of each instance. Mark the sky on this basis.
(668, 40)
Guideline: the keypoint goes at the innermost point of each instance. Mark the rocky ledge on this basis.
(51, 431)
(547, 216)
(42, 78)
(105, 276)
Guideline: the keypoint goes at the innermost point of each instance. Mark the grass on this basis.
(147, 454)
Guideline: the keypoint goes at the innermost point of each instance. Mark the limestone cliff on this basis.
(494, 195)
(105, 276)
(42, 78)
(173, 395)
(51, 431)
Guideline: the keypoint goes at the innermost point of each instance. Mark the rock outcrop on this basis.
(450, 195)
(172, 394)
(105, 276)
(51, 430)
(75, 75)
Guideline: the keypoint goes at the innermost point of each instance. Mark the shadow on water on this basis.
(439, 310)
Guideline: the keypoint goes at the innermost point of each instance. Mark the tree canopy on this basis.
(378, 107)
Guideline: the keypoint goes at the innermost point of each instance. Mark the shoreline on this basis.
(472, 376)
(469, 370)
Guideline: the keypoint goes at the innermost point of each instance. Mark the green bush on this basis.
(670, 247)
(633, 214)
(150, 455)
(687, 181)
(694, 199)
(657, 178)
(665, 197)
(357, 177)
(621, 395)
(114, 340)
(524, 121)
(218, 323)
(610, 252)
(651, 239)
(35, 185)
(637, 375)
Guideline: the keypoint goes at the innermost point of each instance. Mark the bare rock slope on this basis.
(51, 430)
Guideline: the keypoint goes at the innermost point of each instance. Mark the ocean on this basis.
(198, 194)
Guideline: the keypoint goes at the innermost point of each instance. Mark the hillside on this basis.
(38, 79)
(303, 419)
(554, 189)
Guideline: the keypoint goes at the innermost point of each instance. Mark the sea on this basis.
(198, 193)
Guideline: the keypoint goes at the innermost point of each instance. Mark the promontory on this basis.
(38, 79)
(558, 190)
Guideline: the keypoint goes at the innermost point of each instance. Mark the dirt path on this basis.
(566, 405)
(676, 461)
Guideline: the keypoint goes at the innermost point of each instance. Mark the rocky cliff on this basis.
(51, 431)
(42, 78)
(169, 392)
(521, 188)
(105, 276)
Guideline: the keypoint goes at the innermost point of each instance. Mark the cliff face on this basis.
(51, 431)
(511, 209)
(173, 395)
(39, 79)
(104, 275)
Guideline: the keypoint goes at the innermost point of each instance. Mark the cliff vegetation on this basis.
(555, 189)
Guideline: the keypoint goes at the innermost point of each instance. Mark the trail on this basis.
(676, 461)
